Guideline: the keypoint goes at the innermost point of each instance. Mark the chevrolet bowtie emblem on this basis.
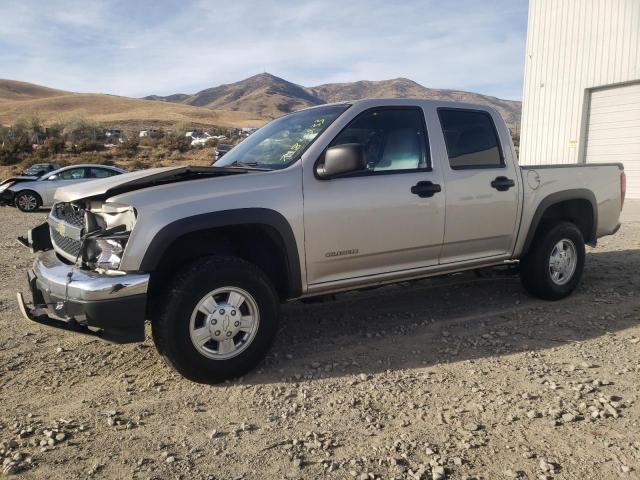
(61, 229)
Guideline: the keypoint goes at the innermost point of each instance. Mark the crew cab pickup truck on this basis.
(328, 199)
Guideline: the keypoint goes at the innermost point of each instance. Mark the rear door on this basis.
(482, 194)
(371, 222)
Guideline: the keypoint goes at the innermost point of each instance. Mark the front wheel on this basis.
(219, 317)
(553, 267)
(28, 201)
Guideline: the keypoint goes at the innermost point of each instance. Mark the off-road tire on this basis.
(171, 330)
(535, 273)
(30, 206)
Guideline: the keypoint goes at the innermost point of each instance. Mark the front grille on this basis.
(66, 228)
(68, 213)
(66, 244)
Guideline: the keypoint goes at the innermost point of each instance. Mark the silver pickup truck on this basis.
(333, 198)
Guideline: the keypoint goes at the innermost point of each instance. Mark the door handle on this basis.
(502, 184)
(425, 189)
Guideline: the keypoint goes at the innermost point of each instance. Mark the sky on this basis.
(137, 48)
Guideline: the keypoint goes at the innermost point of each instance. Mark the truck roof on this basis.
(373, 102)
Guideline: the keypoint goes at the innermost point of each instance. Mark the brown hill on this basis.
(264, 94)
(405, 88)
(18, 99)
(271, 96)
(13, 90)
(175, 98)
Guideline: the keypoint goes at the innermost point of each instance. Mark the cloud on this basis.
(143, 47)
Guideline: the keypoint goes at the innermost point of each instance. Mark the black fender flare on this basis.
(226, 218)
(554, 199)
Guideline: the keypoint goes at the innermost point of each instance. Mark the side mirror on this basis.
(53, 177)
(341, 159)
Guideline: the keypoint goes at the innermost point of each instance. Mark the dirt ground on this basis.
(457, 377)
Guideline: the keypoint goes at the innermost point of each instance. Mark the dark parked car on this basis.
(221, 150)
(39, 169)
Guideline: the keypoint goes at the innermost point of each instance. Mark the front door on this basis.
(62, 179)
(370, 222)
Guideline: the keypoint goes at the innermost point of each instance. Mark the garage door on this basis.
(613, 131)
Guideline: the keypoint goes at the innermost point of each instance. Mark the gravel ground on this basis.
(457, 377)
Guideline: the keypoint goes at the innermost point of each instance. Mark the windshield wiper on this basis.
(246, 165)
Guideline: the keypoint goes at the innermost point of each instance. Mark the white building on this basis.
(582, 85)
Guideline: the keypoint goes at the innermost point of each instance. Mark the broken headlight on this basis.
(104, 252)
(109, 226)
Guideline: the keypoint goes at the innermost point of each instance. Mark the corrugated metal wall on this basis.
(572, 46)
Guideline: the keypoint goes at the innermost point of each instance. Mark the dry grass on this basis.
(13, 90)
(18, 99)
(122, 111)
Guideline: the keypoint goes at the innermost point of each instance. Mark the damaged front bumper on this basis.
(7, 197)
(109, 306)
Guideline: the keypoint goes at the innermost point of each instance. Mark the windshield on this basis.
(282, 141)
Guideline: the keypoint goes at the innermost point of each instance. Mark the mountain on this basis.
(19, 98)
(270, 96)
(248, 102)
(264, 94)
(405, 88)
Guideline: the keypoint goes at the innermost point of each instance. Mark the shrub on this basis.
(15, 144)
(211, 143)
(55, 130)
(159, 155)
(54, 145)
(78, 128)
(138, 165)
(50, 147)
(31, 125)
(91, 157)
(129, 147)
(180, 129)
(148, 142)
(175, 142)
(87, 145)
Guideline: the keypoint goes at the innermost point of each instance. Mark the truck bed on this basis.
(601, 182)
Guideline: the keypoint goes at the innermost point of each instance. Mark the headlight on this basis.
(5, 186)
(104, 253)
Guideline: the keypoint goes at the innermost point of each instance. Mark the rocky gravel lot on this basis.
(457, 377)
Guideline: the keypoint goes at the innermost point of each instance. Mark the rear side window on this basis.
(101, 173)
(471, 139)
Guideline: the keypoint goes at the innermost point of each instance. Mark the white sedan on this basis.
(31, 193)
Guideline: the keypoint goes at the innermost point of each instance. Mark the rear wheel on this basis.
(553, 267)
(28, 201)
(218, 320)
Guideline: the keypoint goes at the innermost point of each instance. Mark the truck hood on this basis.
(108, 187)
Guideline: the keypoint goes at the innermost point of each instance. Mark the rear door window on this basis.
(471, 139)
(101, 173)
